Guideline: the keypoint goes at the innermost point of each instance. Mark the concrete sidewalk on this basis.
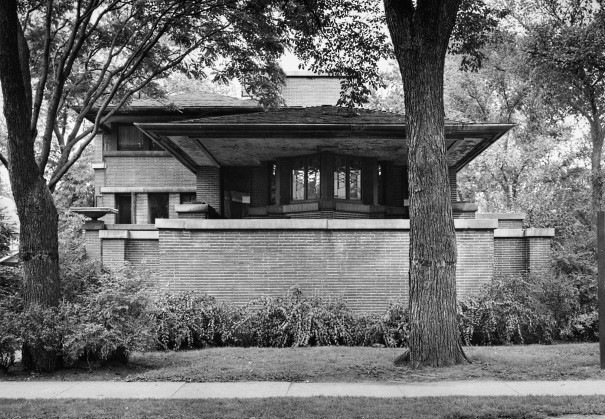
(245, 390)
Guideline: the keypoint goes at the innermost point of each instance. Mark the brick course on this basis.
(311, 91)
(207, 188)
(114, 252)
(142, 171)
(143, 253)
(510, 255)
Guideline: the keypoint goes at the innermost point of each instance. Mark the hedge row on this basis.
(108, 314)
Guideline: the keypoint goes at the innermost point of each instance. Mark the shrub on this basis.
(507, 311)
(10, 339)
(189, 320)
(295, 321)
(582, 328)
(109, 320)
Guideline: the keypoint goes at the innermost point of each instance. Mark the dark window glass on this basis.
(306, 179)
(381, 182)
(347, 178)
(158, 206)
(124, 207)
(187, 197)
(272, 184)
(130, 138)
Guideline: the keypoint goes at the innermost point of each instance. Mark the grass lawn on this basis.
(343, 364)
(316, 407)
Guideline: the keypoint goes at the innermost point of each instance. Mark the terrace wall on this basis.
(366, 261)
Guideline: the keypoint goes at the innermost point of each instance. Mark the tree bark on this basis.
(38, 243)
(420, 36)
(597, 135)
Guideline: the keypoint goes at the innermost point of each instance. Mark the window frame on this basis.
(306, 160)
(347, 165)
(119, 215)
(145, 143)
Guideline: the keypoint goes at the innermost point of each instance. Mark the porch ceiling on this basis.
(224, 142)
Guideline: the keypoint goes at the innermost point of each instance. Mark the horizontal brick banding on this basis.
(510, 224)
(510, 255)
(143, 253)
(147, 172)
(368, 267)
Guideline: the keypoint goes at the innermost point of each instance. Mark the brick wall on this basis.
(208, 186)
(114, 252)
(475, 260)
(510, 224)
(142, 208)
(367, 266)
(143, 253)
(142, 171)
(311, 91)
(538, 250)
(239, 266)
(510, 255)
(173, 199)
(92, 244)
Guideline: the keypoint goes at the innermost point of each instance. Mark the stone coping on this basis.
(130, 227)
(500, 216)
(146, 189)
(310, 224)
(503, 233)
(129, 235)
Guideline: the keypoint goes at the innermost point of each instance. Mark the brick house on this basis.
(215, 194)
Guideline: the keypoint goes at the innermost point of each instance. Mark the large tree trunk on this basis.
(597, 136)
(38, 218)
(420, 37)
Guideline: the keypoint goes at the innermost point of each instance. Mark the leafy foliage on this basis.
(109, 320)
(190, 320)
(507, 312)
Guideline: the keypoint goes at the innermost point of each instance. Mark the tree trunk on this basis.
(38, 243)
(597, 135)
(420, 37)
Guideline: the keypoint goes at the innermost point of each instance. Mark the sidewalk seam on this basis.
(288, 390)
(61, 392)
(177, 390)
(507, 384)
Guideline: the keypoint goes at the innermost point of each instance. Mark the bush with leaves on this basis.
(508, 311)
(110, 319)
(295, 321)
(10, 332)
(191, 320)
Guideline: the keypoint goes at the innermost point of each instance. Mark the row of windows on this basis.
(306, 179)
(158, 206)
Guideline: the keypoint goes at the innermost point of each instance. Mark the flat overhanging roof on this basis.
(247, 140)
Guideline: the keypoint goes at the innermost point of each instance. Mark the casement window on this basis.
(130, 138)
(380, 183)
(272, 183)
(124, 207)
(158, 206)
(306, 182)
(347, 178)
